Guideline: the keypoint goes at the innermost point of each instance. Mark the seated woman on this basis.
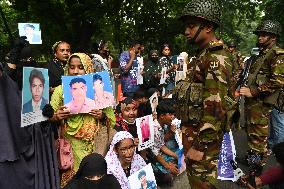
(92, 174)
(122, 160)
(82, 130)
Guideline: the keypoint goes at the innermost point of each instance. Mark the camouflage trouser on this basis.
(201, 174)
(257, 127)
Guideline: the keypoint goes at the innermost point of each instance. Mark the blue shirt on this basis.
(128, 78)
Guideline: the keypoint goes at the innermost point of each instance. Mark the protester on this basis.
(61, 51)
(165, 166)
(122, 160)
(129, 68)
(125, 117)
(152, 71)
(166, 61)
(82, 129)
(144, 107)
(92, 174)
(101, 59)
(27, 155)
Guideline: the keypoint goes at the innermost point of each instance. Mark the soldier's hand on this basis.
(245, 91)
(194, 154)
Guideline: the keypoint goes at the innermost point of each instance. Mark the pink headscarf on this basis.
(113, 164)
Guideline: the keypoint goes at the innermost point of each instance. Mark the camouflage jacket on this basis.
(212, 68)
(270, 77)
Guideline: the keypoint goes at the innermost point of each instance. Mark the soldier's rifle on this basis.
(242, 82)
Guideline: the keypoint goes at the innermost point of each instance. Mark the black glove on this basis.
(48, 111)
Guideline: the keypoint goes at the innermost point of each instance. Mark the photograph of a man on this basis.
(31, 31)
(146, 184)
(37, 102)
(154, 102)
(102, 97)
(79, 103)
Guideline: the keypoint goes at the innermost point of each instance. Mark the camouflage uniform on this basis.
(202, 105)
(264, 87)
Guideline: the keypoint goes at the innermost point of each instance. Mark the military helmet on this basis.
(232, 44)
(206, 9)
(269, 26)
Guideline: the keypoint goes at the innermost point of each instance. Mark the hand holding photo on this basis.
(144, 178)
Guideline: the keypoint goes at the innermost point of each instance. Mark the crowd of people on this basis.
(104, 141)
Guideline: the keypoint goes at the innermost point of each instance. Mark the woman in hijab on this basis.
(92, 174)
(122, 160)
(82, 130)
(152, 71)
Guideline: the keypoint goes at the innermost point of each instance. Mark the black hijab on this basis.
(93, 165)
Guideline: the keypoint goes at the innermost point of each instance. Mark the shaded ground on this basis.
(181, 182)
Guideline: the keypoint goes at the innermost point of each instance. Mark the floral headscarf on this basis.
(85, 60)
(113, 164)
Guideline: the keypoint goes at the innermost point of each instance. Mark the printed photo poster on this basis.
(180, 62)
(163, 75)
(226, 156)
(35, 95)
(103, 91)
(145, 131)
(140, 70)
(154, 102)
(144, 178)
(31, 31)
(78, 93)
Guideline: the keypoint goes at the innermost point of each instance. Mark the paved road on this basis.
(240, 138)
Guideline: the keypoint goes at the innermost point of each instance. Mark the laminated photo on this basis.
(35, 95)
(163, 75)
(145, 131)
(103, 92)
(154, 102)
(78, 93)
(31, 31)
(144, 178)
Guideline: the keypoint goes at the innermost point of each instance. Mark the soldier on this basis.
(201, 98)
(264, 83)
(237, 57)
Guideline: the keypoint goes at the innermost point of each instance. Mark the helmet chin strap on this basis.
(192, 41)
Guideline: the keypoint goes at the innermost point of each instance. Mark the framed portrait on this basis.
(78, 93)
(144, 178)
(180, 61)
(35, 95)
(103, 91)
(145, 132)
(31, 31)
